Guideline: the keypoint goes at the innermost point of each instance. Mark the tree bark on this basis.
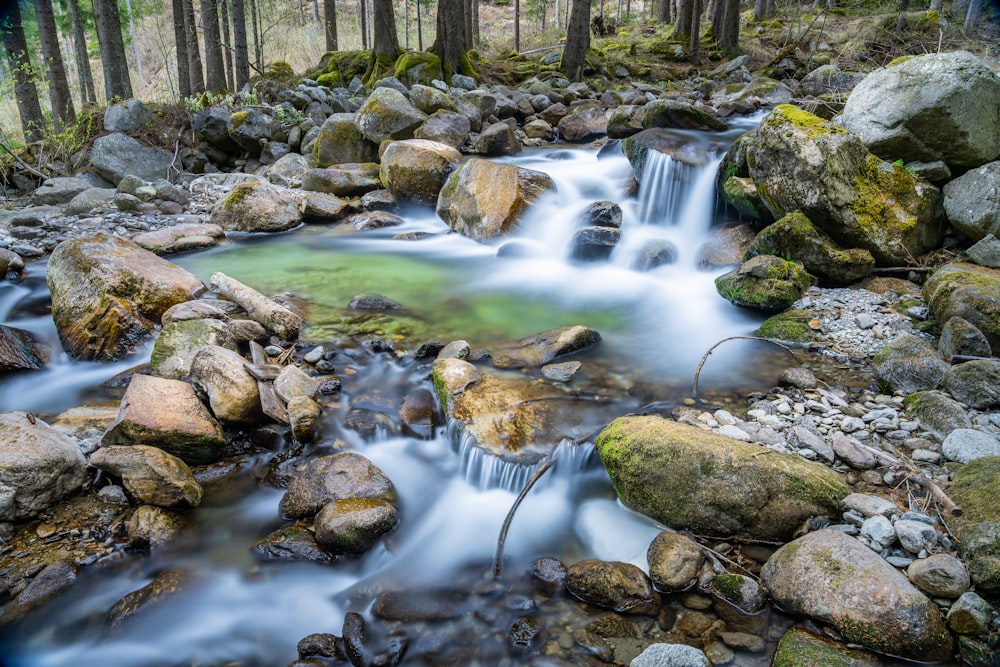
(180, 43)
(255, 27)
(227, 47)
(517, 25)
(385, 41)
(16, 46)
(59, 95)
(695, 28)
(763, 9)
(315, 11)
(215, 69)
(475, 24)
(726, 25)
(193, 50)
(135, 42)
(972, 16)
(276, 318)
(241, 54)
(663, 13)
(682, 27)
(450, 45)
(87, 92)
(363, 22)
(330, 24)
(117, 82)
(420, 30)
(577, 40)
(469, 19)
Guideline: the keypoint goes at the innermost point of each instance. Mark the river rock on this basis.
(970, 615)
(417, 605)
(167, 414)
(622, 587)
(180, 238)
(387, 114)
(975, 490)
(322, 207)
(11, 263)
(18, 351)
(851, 452)
(975, 383)
(340, 141)
(249, 128)
(485, 200)
(868, 505)
(258, 206)
(679, 114)
(417, 169)
(287, 171)
(830, 577)
(39, 465)
(594, 244)
(674, 561)
(90, 200)
(939, 575)
(937, 412)
(674, 145)
(232, 392)
(800, 161)
(154, 528)
(941, 106)
(960, 337)
(418, 414)
(293, 382)
(799, 647)
(985, 252)
(335, 477)
(303, 417)
(909, 363)
(116, 155)
(764, 282)
(178, 342)
(541, 348)
(585, 121)
(53, 580)
(108, 294)
(354, 525)
(348, 179)
(915, 536)
(796, 238)
(689, 478)
(968, 291)
(972, 201)
(58, 190)
(159, 591)
(293, 542)
(741, 591)
(446, 127)
(150, 474)
(198, 309)
(497, 139)
(966, 444)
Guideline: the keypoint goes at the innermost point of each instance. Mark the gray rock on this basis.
(975, 383)
(446, 127)
(59, 190)
(591, 244)
(541, 348)
(851, 452)
(679, 114)
(878, 531)
(654, 253)
(339, 141)
(151, 475)
(429, 100)
(287, 171)
(417, 169)
(232, 392)
(622, 587)
(937, 412)
(800, 377)
(970, 615)
(827, 79)
(178, 342)
(293, 382)
(19, 351)
(966, 444)
(674, 561)
(585, 121)
(115, 155)
(212, 125)
(335, 477)
(11, 263)
(457, 349)
(670, 655)
(985, 252)
(258, 206)
(969, 291)
(497, 139)
(53, 580)
(344, 180)
(961, 337)
(293, 542)
(909, 363)
(802, 438)
(387, 114)
(154, 528)
(250, 129)
(739, 590)
(940, 576)
(563, 372)
(765, 283)
(972, 202)
(353, 525)
(128, 116)
(89, 200)
(869, 505)
(915, 536)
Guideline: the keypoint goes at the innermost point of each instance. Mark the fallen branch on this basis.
(24, 165)
(275, 317)
(917, 477)
(502, 538)
(697, 373)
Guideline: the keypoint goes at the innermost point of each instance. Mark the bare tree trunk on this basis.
(363, 22)
(468, 21)
(762, 9)
(385, 42)
(517, 25)
(682, 27)
(330, 24)
(726, 25)
(577, 40)
(449, 45)
(663, 14)
(193, 51)
(87, 92)
(241, 54)
(117, 82)
(936, 5)
(420, 30)
(695, 28)
(180, 41)
(59, 95)
(135, 42)
(972, 16)
(227, 48)
(315, 11)
(215, 69)
(406, 24)
(902, 6)
(16, 46)
(258, 56)
(475, 24)
(557, 14)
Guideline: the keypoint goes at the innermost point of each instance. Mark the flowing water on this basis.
(453, 498)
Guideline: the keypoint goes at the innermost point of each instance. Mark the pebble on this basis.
(314, 355)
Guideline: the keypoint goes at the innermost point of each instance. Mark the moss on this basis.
(279, 69)
(377, 69)
(238, 194)
(791, 325)
(426, 64)
(801, 648)
(728, 586)
(811, 125)
(882, 194)
(899, 61)
(238, 119)
(330, 79)
(345, 64)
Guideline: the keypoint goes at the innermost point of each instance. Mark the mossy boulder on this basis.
(800, 647)
(486, 200)
(975, 489)
(679, 114)
(692, 479)
(388, 114)
(585, 121)
(830, 577)
(417, 68)
(323, 480)
(258, 206)
(969, 291)
(764, 282)
(178, 342)
(794, 237)
(348, 179)
(791, 325)
(416, 169)
(937, 412)
(975, 383)
(908, 363)
(734, 183)
(430, 100)
(800, 161)
(352, 526)
(446, 127)
(624, 121)
(340, 141)
(622, 587)
(248, 128)
(108, 294)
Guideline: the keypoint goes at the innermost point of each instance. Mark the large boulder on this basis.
(968, 291)
(250, 129)
(340, 141)
(387, 114)
(800, 161)
(116, 155)
(287, 171)
(975, 383)
(796, 238)
(446, 127)
(764, 282)
(689, 478)
(39, 465)
(59, 190)
(485, 200)
(585, 121)
(417, 169)
(498, 139)
(975, 490)
(330, 478)
(127, 116)
(212, 126)
(348, 179)
(258, 206)
(972, 201)
(167, 414)
(677, 146)
(909, 363)
(108, 294)
(942, 106)
(831, 577)
(151, 475)
(679, 114)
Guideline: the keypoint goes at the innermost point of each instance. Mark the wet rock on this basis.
(417, 169)
(11, 263)
(594, 244)
(354, 525)
(249, 128)
(960, 337)
(547, 575)
(54, 580)
(975, 383)
(740, 591)
(971, 201)
(90, 200)
(348, 179)
(154, 528)
(654, 253)
(335, 477)
(257, 206)
(726, 246)
(940, 576)
(497, 139)
(179, 238)
(292, 382)
(677, 146)
(611, 584)
(670, 655)
(150, 474)
(157, 592)
(420, 605)
(602, 214)
(485, 200)
(418, 414)
(764, 282)
(851, 452)
(370, 220)
(524, 635)
(799, 377)
(388, 114)
(166, 414)
(339, 141)
(541, 348)
(108, 294)
(585, 121)
(679, 114)
(112, 494)
(320, 644)
(799, 646)
(968, 291)
(868, 505)
(291, 543)
(222, 376)
(373, 302)
(970, 615)
(936, 412)
(726, 487)
(975, 490)
(832, 578)
(539, 129)
(674, 561)
(39, 465)
(966, 444)
(18, 351)
(178, 342)
(563, 372)
(198, 309)
(986, 251)
(115, 155)
(303, 417)
(909, 364)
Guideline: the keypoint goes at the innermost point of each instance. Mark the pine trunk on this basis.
(972, 16)
(193, 51)
(330, 24)
(240, 48)
(117, 83)
(227, 46)
(258, 55)
(420, 30)
(315, 11)
(59, 95)
(16, 46)
(180, 43)
(682, 28)
(762, 9)
(215, 69)
(87, 92)
(135, 42)
(577, 40)
(726, 25)
(450, 43)
(517, 25)
(385, 42)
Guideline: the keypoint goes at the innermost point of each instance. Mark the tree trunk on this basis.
(258, 55)
(241, 53)
(16, 46)
(469, 19)
(135, 42)
(557, 14)
(517, 25)
(385, 41)
(972, 16)
(87, 92)
(330, 24)
(315, 11)
(937, 5)
(117, 82)
(577, 40)
(726, 25)
(363, 22)
(695, 28)
(180, 41)
(663, 12)
(59, 95)
(682, 27)
(449, 45)
(215, 69)
(227, 48)
(475, 24)
(420, 30)
(193, 50)
(762, 9)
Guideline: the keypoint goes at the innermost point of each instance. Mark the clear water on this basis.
(453, 498)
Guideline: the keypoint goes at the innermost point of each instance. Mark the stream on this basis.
(655, 327)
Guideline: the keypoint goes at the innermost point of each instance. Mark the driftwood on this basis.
(916, 476)
(275, 317)
(697, 373)
(502, 538)
(270, 404)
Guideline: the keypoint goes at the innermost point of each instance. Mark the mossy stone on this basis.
(765, 283)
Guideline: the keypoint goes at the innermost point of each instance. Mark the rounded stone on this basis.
(940, 576)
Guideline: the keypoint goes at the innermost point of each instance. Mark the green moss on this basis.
(377, 69)
(898, 61)
(427, 64)
(330, 79)
(238, 194)
(345, 64)
(279, 69)
(800, 648)
(238, 119)
(882, 193)
(791, 325)
(728, 586)
(811, 125)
